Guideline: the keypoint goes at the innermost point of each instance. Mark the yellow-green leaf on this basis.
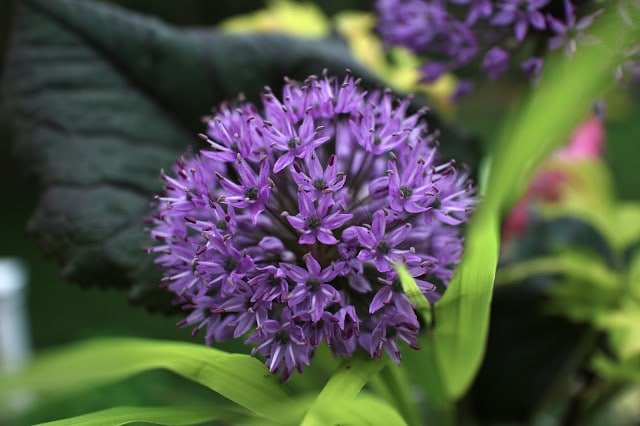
(156, 415)
(240, 378)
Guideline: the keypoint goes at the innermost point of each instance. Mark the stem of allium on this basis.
(315, 252)
(601, 397)
(359, 203)
(286, 200)
(359, 178)
(592, 395)
(285, 225)
(442, 415)
(290, 201)
(397, 383)
(578, 358)
(324, 254)
(400, 223)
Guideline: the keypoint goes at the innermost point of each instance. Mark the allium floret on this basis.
(286, 228)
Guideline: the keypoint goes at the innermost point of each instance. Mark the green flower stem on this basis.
(442, 415)
(380, 388)
(399, 390)
(600, 397)
(581, 356)
(344, 385)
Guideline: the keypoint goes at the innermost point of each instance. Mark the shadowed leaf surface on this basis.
(522, 340)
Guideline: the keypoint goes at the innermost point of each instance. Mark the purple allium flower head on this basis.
(286, 228)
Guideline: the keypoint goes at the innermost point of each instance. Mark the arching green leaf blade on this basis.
(365, 410)
(344, 385)
(240, 378)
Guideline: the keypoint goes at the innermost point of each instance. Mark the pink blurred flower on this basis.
(585, 143)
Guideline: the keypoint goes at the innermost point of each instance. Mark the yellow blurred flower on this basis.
(398, 68)
(300, 19)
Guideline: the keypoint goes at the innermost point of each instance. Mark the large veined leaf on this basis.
(455, 346)
(240, 378)
(101, 99)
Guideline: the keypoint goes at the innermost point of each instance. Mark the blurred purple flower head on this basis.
(452, 34)
(286, 228)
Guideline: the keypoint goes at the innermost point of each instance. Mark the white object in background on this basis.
(15, 341)
(15, 347)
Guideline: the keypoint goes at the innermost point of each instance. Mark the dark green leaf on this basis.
(530, 357)
(101, 99)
